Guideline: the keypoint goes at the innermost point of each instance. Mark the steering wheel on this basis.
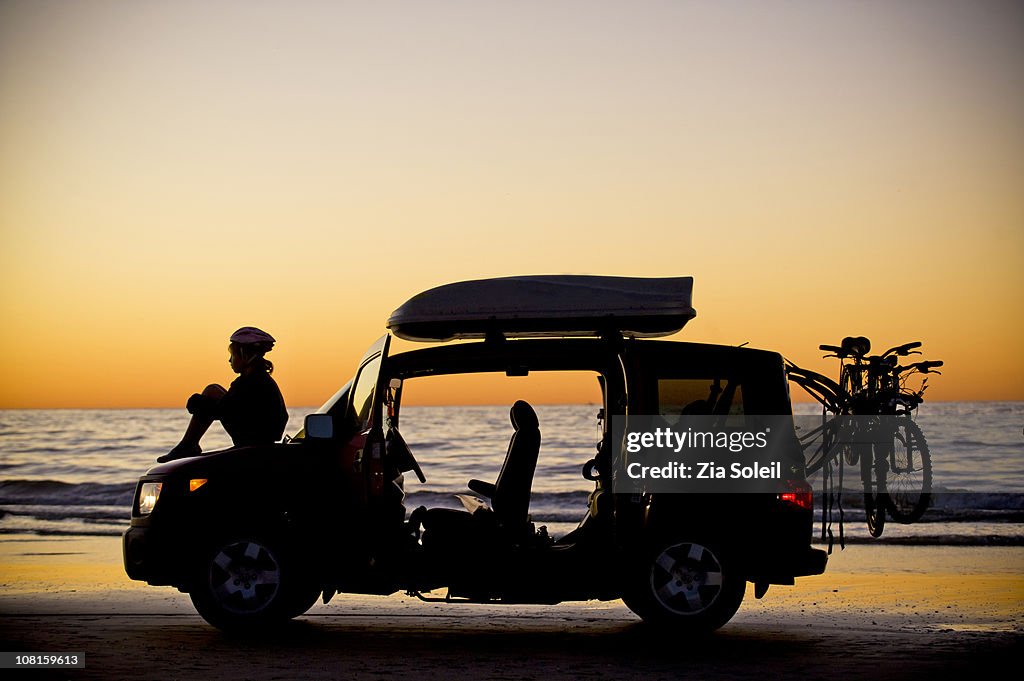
(590, 470)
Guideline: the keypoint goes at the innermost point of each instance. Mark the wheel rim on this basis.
(686, 578)
(874, 510)
(909, 483)
(875, 496)
(245, 577)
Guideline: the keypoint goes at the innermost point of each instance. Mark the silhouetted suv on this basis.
(256, 534)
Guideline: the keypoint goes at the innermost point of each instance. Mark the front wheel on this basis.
(873, 473)
(850, 384)
(910, 473)
(688, 585)
(248, 582)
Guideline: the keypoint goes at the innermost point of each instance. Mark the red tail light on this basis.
(800, 495)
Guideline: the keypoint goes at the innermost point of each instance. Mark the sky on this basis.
(170, 171)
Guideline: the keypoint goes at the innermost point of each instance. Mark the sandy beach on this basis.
(878, 612)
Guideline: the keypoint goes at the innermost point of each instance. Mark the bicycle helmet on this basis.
(250, 335)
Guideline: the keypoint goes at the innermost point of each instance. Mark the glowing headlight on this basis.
(148, 495)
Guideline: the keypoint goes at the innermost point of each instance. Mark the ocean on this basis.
(73, 472)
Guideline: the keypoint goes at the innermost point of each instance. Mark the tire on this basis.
(846, 383)
(305, 599)
(688, 585)
(909, 481)
(828, 450)
(246, 582)
(875, 498)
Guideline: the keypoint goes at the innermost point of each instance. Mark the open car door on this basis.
(365, 451)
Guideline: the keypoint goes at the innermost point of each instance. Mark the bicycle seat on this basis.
(856, 346)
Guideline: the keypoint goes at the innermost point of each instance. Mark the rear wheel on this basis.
(873, 466)
(909, 480)
(850, 383)
(249, 582)
(686, 585)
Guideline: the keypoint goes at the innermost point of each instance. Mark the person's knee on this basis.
(214, 390)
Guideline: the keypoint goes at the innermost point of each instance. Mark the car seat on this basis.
(509, 495)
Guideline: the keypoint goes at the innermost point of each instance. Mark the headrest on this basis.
(523, 416)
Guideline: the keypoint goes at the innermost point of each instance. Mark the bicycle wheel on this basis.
(849, 382)
(825, 451)
(909, 481)
(872, 472)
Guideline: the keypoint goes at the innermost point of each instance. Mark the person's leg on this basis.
(197, 427)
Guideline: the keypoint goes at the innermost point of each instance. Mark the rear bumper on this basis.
(784, 568)
(814, 562)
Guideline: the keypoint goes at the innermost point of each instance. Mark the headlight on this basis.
(148, 495)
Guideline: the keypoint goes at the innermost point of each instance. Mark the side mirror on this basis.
(319, 426)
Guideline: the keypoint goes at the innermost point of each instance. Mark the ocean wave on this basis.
(67, 472)
(87, 514)
(949, 500)
(56, 492)
(935, 516)
(429, 496)
(974, 444)
(64, 531)
(929, 540)
(953, 502)
(963, 499)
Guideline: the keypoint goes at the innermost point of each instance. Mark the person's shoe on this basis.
(180, 451)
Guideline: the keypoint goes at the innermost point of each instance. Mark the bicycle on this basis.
(881, 435)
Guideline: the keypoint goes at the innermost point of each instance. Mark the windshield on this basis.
(351, 406)
(362, 394)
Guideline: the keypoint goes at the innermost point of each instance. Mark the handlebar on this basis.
(903, 350)
(859, 346)
(923, 367)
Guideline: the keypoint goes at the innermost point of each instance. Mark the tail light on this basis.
(799, 494)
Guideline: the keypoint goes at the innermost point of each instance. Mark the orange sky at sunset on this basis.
(172, 171)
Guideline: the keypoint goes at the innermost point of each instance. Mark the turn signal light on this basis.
(196, 483)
